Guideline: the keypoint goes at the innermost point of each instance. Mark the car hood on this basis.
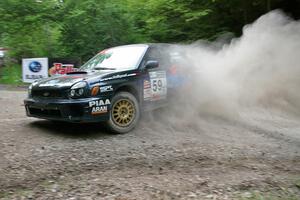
(66, 81)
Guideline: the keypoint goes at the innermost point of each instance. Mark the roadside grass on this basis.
(19, 192)
(28, 193)
(297, 183)
(4, 195)
(11, 74)
(272, 195)
(279, 194)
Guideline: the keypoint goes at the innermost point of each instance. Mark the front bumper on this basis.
(70, 110)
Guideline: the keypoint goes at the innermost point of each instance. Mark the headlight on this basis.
(78, 89)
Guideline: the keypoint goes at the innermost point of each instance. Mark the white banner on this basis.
(34, 69)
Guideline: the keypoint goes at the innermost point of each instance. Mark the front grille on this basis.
(49, 94)
(76, 110)
(45, 112)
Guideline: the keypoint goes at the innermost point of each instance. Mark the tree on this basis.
(90, 26)
(80, 28)
(169, 20)
(28, 28)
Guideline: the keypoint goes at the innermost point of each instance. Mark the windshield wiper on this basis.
(104, 68)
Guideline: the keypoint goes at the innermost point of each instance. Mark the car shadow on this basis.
(72, 130)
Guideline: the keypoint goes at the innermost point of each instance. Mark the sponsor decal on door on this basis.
(156, 87)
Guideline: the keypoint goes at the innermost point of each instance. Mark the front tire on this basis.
(124, 113)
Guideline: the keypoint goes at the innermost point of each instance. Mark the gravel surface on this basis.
(209, 158)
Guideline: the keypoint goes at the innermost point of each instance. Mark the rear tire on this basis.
(124, 113)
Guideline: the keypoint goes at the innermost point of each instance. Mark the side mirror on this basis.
(150, 64)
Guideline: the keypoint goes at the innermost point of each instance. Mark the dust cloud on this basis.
(261, 68)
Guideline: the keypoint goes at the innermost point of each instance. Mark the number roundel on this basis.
(158, 84)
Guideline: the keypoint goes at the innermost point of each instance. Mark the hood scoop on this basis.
(78, 72)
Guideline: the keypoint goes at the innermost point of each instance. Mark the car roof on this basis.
(149, 45)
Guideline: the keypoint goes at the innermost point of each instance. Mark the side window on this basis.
(155, 84)
(160, 55)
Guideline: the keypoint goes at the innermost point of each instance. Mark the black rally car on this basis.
(115, 86)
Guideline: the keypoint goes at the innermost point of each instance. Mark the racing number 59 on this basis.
(157, 85)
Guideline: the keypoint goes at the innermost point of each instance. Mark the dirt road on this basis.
(214, 159)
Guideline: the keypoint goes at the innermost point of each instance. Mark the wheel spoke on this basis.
(118, 119)
(123, 112)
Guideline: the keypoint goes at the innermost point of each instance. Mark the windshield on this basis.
(118, 58)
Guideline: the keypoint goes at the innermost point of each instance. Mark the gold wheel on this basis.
(123, 112)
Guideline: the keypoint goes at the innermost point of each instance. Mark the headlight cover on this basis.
(78, 89)
(29, 90)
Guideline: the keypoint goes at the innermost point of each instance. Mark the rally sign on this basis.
(61, 69)
(34, 69)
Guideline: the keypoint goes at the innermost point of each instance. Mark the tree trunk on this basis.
(269, 5)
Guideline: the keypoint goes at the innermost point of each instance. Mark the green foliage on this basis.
(169, 20)
(80, 28)
(11, 74)
(90, 26)
(28, 28)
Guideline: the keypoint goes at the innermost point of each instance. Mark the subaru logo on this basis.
(46, 94)
(35, 66)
